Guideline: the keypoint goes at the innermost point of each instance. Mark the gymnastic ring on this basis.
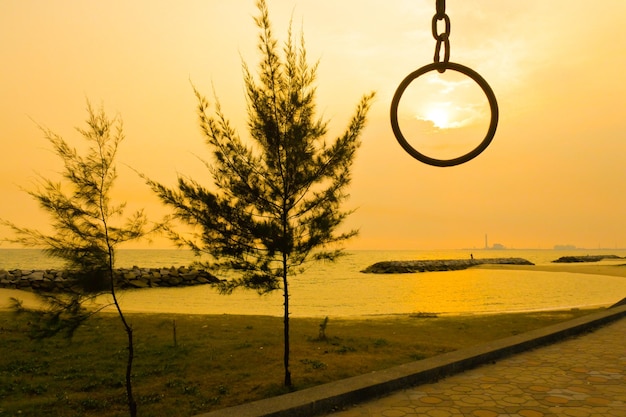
(493, 104)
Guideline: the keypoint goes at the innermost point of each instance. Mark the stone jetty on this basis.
(584, 258)
(126, 278)
(407, 267)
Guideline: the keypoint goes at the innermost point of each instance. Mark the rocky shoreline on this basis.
(407, 267)
(585, 258)
(127, 278)
(52, 280)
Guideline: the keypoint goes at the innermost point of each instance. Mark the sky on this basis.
(554, 173)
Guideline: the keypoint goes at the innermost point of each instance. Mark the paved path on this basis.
(584, 376)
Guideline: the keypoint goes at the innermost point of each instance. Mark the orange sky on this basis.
(553, 175)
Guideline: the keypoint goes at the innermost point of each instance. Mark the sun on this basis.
(439, 116)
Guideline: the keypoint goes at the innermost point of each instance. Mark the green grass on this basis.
(219, 361)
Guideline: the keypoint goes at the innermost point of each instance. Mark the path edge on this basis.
(335, 395)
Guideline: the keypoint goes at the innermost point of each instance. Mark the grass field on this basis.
(186, 365)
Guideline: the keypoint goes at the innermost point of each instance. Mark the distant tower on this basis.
(486, 243)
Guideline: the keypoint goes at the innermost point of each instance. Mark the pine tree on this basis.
(275, 199)
(86, 230)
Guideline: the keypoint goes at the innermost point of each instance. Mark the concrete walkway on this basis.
(583, 376)
(560, 370)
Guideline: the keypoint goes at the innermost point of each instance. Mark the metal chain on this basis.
(444, 37)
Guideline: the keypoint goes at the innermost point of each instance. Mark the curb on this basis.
(335, 395)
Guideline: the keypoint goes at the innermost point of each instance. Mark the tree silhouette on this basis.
(275, 199)
(87, 230)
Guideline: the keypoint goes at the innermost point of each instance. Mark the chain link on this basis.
(444, 37)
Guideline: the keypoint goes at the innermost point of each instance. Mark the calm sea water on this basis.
(340, 290)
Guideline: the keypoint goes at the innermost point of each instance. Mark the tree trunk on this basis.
(286, 323)
(132, 404)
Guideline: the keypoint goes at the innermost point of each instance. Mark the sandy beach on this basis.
(575, 268)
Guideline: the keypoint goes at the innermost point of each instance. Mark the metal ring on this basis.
(441, 67)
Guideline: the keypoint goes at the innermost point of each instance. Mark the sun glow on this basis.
(439, 116)
(448, 115)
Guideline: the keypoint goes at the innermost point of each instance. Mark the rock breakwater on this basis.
(126, 278)
(584, 258)
(407, 267)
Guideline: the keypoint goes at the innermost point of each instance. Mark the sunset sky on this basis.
(554, 174)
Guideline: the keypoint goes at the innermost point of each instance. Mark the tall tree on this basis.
(275, 199)
(87, 227)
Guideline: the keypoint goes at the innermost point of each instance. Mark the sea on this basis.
(339, 289)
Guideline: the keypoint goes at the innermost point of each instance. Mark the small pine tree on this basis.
(87, 228)
(277, 199)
